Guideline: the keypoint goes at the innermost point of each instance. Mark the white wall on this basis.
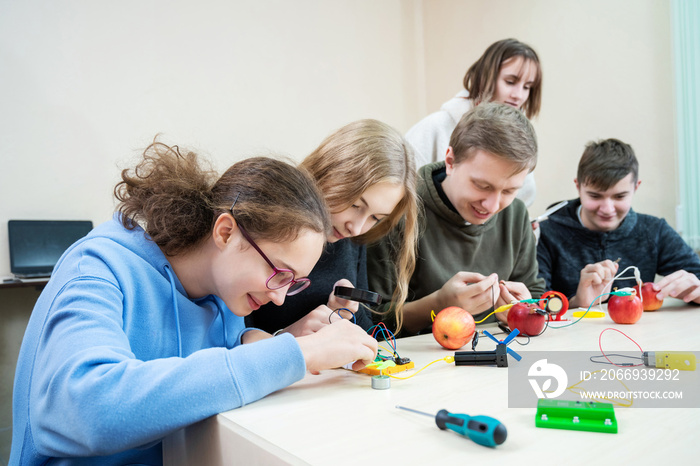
(607, 67)
(86, 84)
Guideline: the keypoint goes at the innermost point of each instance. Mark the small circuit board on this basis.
(388, 370)
(576, 415)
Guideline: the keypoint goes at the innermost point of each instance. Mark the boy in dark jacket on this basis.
(580, 245)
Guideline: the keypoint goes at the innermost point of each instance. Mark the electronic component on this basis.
(498, 357)
(356, 294)
(482, 358)
(554, 303)
(683, 361)
(576, 415)
(503, 326)
(475, 340)
(401, 361)
(588, 314)
(381, 382)
(387, 370)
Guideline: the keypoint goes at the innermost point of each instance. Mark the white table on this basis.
(337, 418)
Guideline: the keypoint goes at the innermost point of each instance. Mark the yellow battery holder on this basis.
(681, 360)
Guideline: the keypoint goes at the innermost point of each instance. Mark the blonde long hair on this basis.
(356, 157)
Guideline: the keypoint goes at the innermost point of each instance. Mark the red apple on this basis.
(625, 309)
(649, 300)
(453, 327)
(524, 317)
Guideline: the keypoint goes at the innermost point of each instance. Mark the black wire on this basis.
(523, 344)
(546, 325)
(476, 336)
(619, 356)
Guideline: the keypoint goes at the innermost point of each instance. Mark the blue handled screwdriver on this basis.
(483, 430)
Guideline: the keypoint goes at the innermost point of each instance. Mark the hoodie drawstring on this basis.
(223, 324)
(176, 308)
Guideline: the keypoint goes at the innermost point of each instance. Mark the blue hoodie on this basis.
(116, 356)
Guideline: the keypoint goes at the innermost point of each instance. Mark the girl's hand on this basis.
(334, 302)
(336, 345)
(311, 322)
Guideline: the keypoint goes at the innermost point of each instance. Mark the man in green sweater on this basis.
(477, 250)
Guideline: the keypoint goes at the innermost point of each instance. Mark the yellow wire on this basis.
(480, 321)
(447, 359)
(612, 400)
(500, 309)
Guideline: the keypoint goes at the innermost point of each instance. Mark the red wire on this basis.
(385, 331)
(600, 345)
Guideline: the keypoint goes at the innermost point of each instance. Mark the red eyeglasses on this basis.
(280, 277)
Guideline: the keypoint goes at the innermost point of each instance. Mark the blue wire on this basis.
(383, 331)
(337, 311)
(589, 308)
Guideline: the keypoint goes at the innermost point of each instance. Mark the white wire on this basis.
(636, 277)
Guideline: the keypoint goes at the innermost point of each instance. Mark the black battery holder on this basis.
(498, 357)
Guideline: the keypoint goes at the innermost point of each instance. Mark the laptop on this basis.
(36, 245)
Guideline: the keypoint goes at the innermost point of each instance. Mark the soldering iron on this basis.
(483, 430)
